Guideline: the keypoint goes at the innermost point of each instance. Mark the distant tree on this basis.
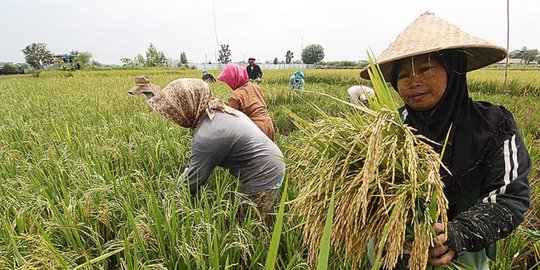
(37, 55)
(127, 62)
(288, 57)
(83, 59)
(363, 63)
(224, 54)
(9, 68)
(139, 60)
(312, 54)
(74, 53)
(24, 66)
(275, 62)
(525, 55)
(95, 63)
(529, 55)
(183, 58)
(154, 58)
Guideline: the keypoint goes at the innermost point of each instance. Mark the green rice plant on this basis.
(276, 233)
(386, 181)
(324, 252)
(521, 250)
(87, 170)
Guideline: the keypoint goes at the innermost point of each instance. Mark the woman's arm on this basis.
(207, 152)
(505, 198)
(236, 100)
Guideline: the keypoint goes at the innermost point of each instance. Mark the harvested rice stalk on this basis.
(386, 180)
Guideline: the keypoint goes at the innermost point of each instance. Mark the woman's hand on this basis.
(440, 254)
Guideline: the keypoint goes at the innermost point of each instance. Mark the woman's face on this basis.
(421, 81)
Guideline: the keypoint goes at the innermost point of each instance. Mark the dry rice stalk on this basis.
(387, 186)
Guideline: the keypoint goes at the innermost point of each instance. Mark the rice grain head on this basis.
(387, 184)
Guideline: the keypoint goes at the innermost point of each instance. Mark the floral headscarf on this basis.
(186, 102)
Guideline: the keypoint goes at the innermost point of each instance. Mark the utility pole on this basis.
(301, 47)
(507, 42)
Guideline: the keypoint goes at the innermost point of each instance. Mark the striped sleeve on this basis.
(505, 196)
(506, 182)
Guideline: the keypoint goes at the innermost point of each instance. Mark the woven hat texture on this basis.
(429, 33)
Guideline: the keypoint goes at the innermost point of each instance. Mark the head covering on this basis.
(234, 76)
(251, 58)
(143, 85)
(186, 102)
(299, 75)
(476, 126)
(429, 33)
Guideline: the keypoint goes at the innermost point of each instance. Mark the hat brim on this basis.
(144, 88)
(428, 34)
(477, 57)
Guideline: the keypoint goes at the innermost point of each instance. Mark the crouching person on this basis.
(222, 137)
(208, 77)
(296, 81)
(360, 94)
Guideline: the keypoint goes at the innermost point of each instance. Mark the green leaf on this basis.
(324, 252)
(276, 233)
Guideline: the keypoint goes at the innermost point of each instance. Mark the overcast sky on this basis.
(114, 29)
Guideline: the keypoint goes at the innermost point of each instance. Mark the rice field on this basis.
(88, 174)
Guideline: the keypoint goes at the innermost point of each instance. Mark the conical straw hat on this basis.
(429, 33)
(143, 85)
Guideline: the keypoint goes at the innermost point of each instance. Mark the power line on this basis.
(215, 27)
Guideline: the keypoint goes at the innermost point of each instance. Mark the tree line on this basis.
(312, 54)
(38, 56)
(527, 56)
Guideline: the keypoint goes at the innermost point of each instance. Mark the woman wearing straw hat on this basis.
(487, 160)
(247, 97)
(222, 137)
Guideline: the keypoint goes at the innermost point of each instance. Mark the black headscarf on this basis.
(476, 126)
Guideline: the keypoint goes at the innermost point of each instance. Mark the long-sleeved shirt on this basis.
(497, 196)
(254, 72)
(503, 196)
(237, 144)
(249, 99)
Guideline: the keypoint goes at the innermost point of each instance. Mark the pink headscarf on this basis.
(234, 76)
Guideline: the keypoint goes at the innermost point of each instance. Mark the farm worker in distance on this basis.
(254, 71)
(222, 137)
(247, 97)
(208, 77)
(359, 94)
(296, 81)
(487, 187)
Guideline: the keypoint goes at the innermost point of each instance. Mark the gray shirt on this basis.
(237, 144)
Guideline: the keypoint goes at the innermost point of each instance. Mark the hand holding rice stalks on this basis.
(386, 178)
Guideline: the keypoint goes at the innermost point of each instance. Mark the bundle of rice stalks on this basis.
(386, 179)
